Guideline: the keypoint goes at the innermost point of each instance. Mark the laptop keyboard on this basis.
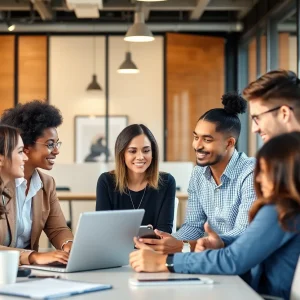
(55, 264)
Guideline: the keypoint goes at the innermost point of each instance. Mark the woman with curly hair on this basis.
(12, 160)
(36, 207)
(266, 254)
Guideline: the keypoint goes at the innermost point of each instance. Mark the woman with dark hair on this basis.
(36, 207)
(136, 182)
(266, 254)
(12, 160)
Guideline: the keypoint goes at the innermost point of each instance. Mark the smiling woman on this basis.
(35, 205)
(136, 182)
(12, 160)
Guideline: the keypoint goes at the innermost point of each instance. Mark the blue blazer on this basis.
(265, 255)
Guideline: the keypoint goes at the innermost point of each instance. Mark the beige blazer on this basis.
(46, 215)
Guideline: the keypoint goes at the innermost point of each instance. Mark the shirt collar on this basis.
(229, 170)
(35, 181)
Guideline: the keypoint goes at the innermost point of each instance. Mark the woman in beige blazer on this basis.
(34, 206)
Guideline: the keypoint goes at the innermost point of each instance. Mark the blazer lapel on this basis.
(37, 207)
(11, 216)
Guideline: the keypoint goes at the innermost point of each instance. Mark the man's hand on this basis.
(211, 241)
(38, 258)
(146, 260)
(166, 245)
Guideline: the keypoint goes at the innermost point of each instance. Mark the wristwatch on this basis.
(186, 246)
(169, 263)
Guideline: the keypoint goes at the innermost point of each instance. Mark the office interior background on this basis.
(50, 50)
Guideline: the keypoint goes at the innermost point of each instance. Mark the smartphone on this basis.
(41, 276)
(170, 281)
(147, 232)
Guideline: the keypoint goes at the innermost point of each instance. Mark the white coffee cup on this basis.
(9, 262)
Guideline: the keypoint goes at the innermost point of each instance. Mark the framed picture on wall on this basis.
(90, 139)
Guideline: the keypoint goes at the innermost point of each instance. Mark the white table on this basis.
(225, 287)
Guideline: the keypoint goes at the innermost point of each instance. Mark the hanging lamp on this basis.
(94, 85)
(128, 66)
(139, 31)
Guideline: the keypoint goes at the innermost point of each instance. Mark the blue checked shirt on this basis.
(226, 206)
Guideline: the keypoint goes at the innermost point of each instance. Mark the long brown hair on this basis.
(123, 140)
(282, 157)
(8, 142)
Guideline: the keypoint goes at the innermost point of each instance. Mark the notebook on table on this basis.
(50, 288)
(103, 239)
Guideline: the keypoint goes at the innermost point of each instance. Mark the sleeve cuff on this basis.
(65, 243)
(178, 262)
(24, 257)
(227, 240)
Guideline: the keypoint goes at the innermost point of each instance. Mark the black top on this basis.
(158, 204)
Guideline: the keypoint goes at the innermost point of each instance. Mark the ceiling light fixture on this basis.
(139, 31)
(94, 85)
(10, 26)
(151, 0)
(128, 66)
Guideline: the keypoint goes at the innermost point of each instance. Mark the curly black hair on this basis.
(32, 119)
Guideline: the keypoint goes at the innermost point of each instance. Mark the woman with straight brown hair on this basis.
(266, 254)
(12, 159)
(136, 181)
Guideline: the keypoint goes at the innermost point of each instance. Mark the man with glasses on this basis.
(274, 101)
(36, 207)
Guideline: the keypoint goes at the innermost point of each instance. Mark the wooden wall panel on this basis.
(32, 68)
(6, 72)
(252, 61)
(195, 84)
(263, 54)
(283, 51)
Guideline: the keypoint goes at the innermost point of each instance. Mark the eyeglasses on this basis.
(256, 119)
(51, 145)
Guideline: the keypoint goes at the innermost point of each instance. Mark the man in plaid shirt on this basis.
(221, 188)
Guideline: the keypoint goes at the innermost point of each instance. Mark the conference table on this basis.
(92, 196)
(224, 287)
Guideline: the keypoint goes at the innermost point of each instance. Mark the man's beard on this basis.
(218, 158)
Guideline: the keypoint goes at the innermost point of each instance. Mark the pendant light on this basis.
(139, 31)
(10, 26)
(94, 85)
(128, 66)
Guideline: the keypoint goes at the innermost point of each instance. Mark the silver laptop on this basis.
(103, 239)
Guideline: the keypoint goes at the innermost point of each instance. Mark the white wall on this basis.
(140, 96)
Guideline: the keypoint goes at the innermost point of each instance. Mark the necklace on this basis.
(141, 199)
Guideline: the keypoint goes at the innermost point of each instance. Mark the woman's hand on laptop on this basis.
(38, 258)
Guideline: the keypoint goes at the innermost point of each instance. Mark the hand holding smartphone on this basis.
(147, 232)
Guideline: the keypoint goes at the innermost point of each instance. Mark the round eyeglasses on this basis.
(51, 145)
